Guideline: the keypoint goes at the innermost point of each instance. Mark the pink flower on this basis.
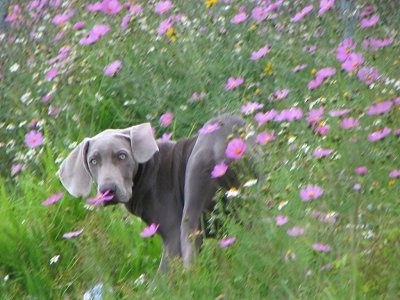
(209, 128)
(322, 129)
(394, 173)
(345, 49)
(326, 73)
(378, 135)
(166, 137)
(236, 148)
(111, 7)
(72, 234)
(353, 62)
(339, 112)
(281, 220)
(361, 170)
(61, 19)
(240, 17)
(262, 118)
(320, 152)
(265, 137)
(279, 94)
(296, 231)
(51, 74)
(357, 187)
(112, 68)
(233, 83)
(97, 32)
(251, 107)
(367, 11)
(165, 25)
(374, 43)
(379, 108)
(299, 68)
(53, 199)
(316, 82)
(289, 115)
(100, 198)
(368, 75)
(166, 119)
(259, 14)
(219, 170)
(149, 231)
(301, 14)
(369, 22)
(163, 7)
(79, 25)
(321, 247)
(315, 116)
(325, 5)
(94, 7)
(227, 242)
(311, 192)
(349, 123)
(256, 55)
(33, 139)
(16, 168)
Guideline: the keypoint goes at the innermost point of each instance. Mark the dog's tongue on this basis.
(101, 198)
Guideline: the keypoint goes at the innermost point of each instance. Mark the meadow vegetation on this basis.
(321, 96)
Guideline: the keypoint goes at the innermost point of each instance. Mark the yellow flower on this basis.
(210, 3)
(313, 71)
(391, 182)
(171, 34)
(269, 69)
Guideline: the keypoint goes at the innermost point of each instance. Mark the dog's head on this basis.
(110, 160)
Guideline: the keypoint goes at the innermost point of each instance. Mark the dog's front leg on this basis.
(171, 248)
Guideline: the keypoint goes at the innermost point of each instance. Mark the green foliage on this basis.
(357, 215)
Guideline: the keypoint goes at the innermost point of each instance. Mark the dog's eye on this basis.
(122, 156)
(93, 161)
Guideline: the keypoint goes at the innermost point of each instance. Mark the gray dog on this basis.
(166, 183)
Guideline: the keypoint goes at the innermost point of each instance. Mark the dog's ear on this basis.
(74, 173)
(142, 142)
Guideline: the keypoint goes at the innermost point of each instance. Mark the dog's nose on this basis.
(110, 187)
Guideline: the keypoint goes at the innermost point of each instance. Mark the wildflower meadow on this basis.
(318, 85)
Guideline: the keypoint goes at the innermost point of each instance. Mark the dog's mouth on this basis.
(105, 198)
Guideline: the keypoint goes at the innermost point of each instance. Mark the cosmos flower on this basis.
(281, 220)
(166, 119)
(349, 123)
(320, 152)
(112, 69)
(368, 75)
(379, 108)
(226, 242)
(265, 137)
(219, 170)
(251, 107)
(296, 231)
(369, 22)
(150, 230)
(379, 135)
(209, 128)
(262, 118)
(233, 83)
(53, 199)
(163, 7)
(301, 14)
(311, 192)
(34, 139)
(256, 55)
(235, 148)
(321, 247)
(325, 5)
(352, 63)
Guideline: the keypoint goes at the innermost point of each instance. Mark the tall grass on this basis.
(355, 222)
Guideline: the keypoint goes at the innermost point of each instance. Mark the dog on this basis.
(168, 183)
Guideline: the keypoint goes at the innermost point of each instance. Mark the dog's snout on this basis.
(110, 187)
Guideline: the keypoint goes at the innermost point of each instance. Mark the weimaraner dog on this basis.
(163, 182)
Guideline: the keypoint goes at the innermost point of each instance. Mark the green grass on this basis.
(160, 74)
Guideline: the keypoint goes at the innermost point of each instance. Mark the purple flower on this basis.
(301, 14)
(353, 62)
(233, 83)
(345, 49)
(53, 199)
(251, 107)
(321, 247)
(72, 234)
(299, 68)
(240, 17)
(281, 220)
(279, 94)
(311, 192)
(112, 68)
(16, 168)
(315, 116)
(296, 231)
(394, 173)
(262, 118)
(166, 119)
(33, 139)
(361, 170)
(219, 170)
(378, 135)
(100, 198)
(209, 128)
(265, 137)
(227, 242)
(79, 25)
(339, 112)
(314, 83)
(165, 25)
(322, 129)
(166, 137)
(326, 73)
(259, 13)
(163, 7)
(51, 74)
(236, 148)
(61, 19)
(368, 75)
(256, 55)
(149, 231)
(325, 5)
(111, 7)
(379, 108)
(349, 123)
(97, 32)
(320, 152)
(369, 22)
(289, 115)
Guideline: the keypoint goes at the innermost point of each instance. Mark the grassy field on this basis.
(319, 88)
